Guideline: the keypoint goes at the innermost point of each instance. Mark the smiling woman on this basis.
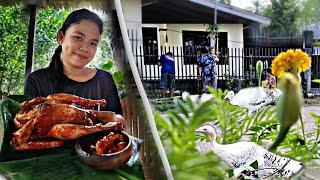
(78, 39)
(79, 45)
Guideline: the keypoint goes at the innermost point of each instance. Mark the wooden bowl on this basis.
(105, 161)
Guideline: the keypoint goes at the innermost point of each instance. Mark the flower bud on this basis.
(259, 68)
(290, 102)
(289, 105)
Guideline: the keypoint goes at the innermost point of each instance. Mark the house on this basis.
(178, 26)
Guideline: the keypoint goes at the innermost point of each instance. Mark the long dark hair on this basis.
(56, 66)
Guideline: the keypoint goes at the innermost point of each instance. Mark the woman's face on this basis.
(79, 43)
(212, 51)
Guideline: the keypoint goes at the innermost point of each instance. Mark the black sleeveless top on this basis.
(101, 86)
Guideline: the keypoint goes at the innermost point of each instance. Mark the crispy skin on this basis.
(28, 105)
(73, 131)
(121, 145)
(27, 111)
(23, 117)
(50, 114)
(62, 98)
(72, 99)
(110, 144)
(24, 138)
(57, 117)
(105, 143)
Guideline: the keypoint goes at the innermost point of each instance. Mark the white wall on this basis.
(235, 40)
(174, 32)
(132, 12)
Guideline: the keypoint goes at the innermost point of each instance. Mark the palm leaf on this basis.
(182, 107)
(190, 103)
(181, 120)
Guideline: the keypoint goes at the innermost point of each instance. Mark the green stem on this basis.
(317, 136)
(303, 133)
(281, 136)
(270, 126)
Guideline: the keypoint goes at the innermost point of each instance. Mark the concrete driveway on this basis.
(309, 121)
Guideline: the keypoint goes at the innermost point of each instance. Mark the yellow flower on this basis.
(294, 61)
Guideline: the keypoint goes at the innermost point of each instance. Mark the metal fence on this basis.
(237, 63)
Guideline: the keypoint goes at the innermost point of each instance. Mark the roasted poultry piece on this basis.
(64, 99)
(110, 144)
(46, 122)
(27, 111)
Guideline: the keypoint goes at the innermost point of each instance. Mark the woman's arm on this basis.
(215, 57)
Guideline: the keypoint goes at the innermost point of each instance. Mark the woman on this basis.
(208, 70)
(78, 39)
(212, 53)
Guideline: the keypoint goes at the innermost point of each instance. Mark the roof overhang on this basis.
(197, 11)
(99, 4)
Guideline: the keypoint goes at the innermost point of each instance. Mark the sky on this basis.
(246, 3)
(242, 3)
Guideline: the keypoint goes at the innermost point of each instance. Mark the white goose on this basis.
(253, 98)
(239, 156)
(196, 97)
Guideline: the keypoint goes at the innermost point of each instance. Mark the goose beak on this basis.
(199, 130)
(229, 95)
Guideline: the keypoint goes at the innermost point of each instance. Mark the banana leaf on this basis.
(59, 163)
(62, 166)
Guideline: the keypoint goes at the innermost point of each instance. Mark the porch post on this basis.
(215, 41)
(308, 47)
(31, 35)
(215, 11)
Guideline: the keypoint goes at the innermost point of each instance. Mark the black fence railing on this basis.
(237, 63)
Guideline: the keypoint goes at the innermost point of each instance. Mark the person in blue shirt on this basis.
(167, 80)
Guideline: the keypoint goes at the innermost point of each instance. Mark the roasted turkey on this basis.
(46, 122)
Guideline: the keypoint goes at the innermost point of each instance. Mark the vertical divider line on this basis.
(142, 92)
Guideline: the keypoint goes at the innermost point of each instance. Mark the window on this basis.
(192, 42)
(150, 45)
(223, 39)
(223, 48)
